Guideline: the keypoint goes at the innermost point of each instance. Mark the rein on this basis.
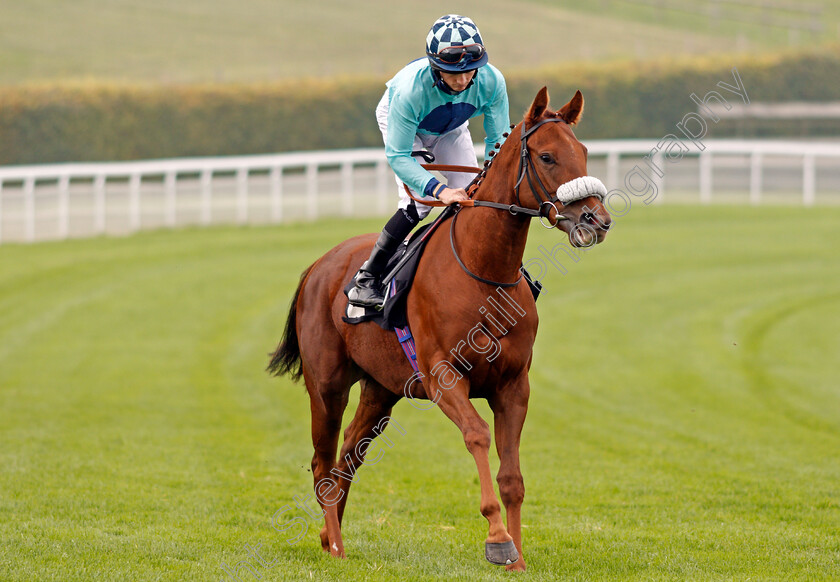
(512, 208)
(526, 170)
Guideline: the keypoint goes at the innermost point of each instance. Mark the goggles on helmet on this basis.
(455, 54)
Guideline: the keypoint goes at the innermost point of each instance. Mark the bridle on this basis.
(527, 170)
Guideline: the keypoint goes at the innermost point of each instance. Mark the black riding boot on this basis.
(368, 292)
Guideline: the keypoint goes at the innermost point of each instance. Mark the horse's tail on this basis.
(286, 358)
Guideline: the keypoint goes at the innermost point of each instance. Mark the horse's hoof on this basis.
(501, 554)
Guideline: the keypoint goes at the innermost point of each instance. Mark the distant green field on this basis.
(258, 40)
(684, 421)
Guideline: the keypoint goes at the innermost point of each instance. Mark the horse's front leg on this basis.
(455, 404)
(509, 407)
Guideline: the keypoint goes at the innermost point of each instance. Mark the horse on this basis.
(458, 357)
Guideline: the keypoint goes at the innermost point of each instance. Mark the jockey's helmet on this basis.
(454, 45)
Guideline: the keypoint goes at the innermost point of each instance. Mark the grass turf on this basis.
(221, 41)
(684, 422)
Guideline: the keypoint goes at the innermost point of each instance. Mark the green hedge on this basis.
(647, 100)
(83, 122)
(53, 124)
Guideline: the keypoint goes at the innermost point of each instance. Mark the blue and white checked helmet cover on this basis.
(453, 30)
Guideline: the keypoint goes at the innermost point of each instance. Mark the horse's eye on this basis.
(546, 158)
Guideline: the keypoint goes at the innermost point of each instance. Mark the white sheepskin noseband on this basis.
(581, 188)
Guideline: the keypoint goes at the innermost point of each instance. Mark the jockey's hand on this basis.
(450, 196)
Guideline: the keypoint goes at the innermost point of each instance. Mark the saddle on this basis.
(399, 274)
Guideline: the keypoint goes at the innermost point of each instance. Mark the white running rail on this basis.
(41, 202)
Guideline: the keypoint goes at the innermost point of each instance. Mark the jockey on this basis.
(427, 105)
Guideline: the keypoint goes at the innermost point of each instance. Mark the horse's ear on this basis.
(572, 111)
(538, 107)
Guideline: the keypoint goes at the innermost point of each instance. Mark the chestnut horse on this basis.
(443, 308)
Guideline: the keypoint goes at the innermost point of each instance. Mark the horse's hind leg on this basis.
(372, 416)
(327, 401)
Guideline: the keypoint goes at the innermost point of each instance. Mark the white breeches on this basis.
(454, 148)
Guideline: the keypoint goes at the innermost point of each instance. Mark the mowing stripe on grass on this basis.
(685, 418)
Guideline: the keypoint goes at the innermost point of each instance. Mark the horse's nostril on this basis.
(595, 221)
